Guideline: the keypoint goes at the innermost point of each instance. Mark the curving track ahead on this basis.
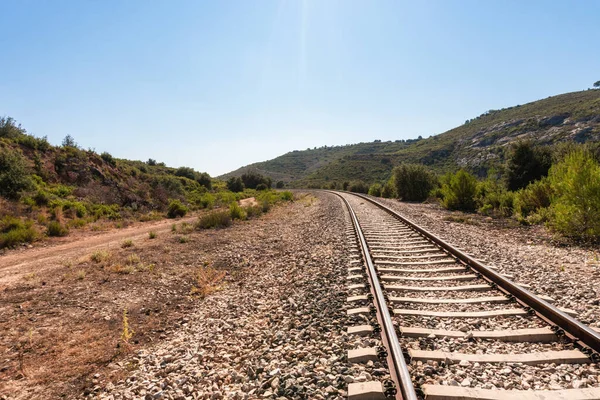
(452, 328)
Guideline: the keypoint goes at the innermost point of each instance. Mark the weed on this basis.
(208, 281)
(174, 228)
(151, 235)
(132, 259)
(30, 276)
(81, 274)
(100, 256)
(185, 228)
(183, 239)
(127, 332)
(127, 243)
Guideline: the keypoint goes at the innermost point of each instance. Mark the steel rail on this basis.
(398, 368)
(580, 333)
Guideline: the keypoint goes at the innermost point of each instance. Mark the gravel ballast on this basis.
(279, 332)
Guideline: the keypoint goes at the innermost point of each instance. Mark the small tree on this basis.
(597, 84)
(413, 182)
(279, 184)
(69, 141)
(526, 163)
(375, 190)
(575, 205)
(459, 191)
(358, 187)
(235, 184)
(13, 174)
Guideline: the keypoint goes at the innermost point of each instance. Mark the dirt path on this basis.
(17, 264)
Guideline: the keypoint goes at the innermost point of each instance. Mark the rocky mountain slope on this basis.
(477, 145)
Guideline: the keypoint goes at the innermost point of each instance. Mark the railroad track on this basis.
(448, 327)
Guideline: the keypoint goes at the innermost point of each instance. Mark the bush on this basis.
(236, 212)
(108, 158)
(14, 231)
(176, 209)
(252, 179)
(358, 187)
(235, 184)
(526, 163)
(494, 199)
(69, 141)
(375, 190)
(14, 177)
(55, 228)
(575, 206)
(253, 211)
(388, 191)
(261, 186)
(286, 196)
(459, 191)
(215, 219)
(530, 200)
(413, 182)
(280, 185)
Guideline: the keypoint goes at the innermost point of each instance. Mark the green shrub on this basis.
(215, 219)
(261, 186)
(252, 179)
(526, 163)
(494, 199)
(61, 191)
(286, 196)
(55, 228)
(176, 209)
(575, 206)
(14, 232)
(388, 191)
(235, 184)
(459, 191)
(530, 200)
(375, 190)
(108, 158)
(104, 210)
(236, 212)
(225, 198)
(14, 177)
(358, 187)
(253, 211)
(413, 182)
(41, 198)
(281, 184)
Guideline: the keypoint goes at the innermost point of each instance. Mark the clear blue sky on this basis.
(219, 84)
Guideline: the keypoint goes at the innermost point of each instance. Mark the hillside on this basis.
(46, 188)
(477, 145)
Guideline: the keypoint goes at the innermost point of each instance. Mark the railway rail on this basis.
(442, 315)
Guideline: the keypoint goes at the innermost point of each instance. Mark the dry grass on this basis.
(127, 243)
(208, 281)
(100, 256)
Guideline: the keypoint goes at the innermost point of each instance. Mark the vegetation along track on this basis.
(450, 327)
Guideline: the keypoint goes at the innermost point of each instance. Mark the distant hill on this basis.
(478, 144)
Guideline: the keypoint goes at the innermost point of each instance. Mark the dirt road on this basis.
(18, 263)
